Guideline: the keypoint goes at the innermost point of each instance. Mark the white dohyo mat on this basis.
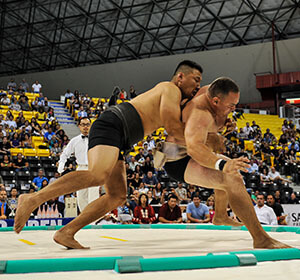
(149, 243)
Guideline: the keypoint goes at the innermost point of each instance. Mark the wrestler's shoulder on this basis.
(167, 86)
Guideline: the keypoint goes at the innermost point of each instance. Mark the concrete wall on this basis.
(239, 63)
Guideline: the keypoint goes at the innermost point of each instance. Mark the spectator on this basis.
(142, 188)
(150, 180)
(124, 215)
(53, 179)
(140, 156)
(181, 193)
(151, 198)
(5, 146)
(20, 164)
(275, 176)
(41, 115)
(24, 86)
(5, 100)
(68, 95)
(48, 135)
(134, 200)
(24, 104)
(253, 169)
(122, 95)
(81, 113)
(13, 200)
(36, 87)
(27, 142)
(2, 121)
(133, 163)
(264, 213)
(35, 104)
(12, 85)
(55, 150)
(293, 199)
(143, 213)
(37, 181)
(247, 129)
(170, 212)
(157, 191)
(15, 142)
(132, 92)
(196, 211)
(15, 106)
(11, 123)
(136, 181)
(6, 163)
(148, 165)
(278, 197)
(4, 209)
(277, 209)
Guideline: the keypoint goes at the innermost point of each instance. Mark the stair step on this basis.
(62, 114)
(64, 118)
(66, 122)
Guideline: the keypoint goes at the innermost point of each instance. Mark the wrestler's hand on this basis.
(229, 126)
(215, 142)
(237, 164)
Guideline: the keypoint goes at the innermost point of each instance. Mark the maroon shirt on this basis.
(169, 215)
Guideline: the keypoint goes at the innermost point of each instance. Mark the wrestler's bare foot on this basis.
(226, 221)
(26, 204)
(66, 239)
(269, 243)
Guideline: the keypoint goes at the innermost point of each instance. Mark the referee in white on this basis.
(79, 147)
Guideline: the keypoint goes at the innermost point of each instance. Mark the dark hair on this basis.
(223, 86)
(196, 194)
(272, 194)
(172, 196)
(186, 66)
(260, 193)
(83, 118)
(141, 197)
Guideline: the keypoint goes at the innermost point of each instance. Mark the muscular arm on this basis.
(170, 112)
(196, 134)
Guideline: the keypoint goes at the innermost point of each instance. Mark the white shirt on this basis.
(247, 130)
(266, 215)
(77, 146)
(274, 175)
(36, 87)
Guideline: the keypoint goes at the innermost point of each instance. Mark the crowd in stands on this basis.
(152, 195)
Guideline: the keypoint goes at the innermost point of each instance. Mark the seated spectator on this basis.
(275, 176)
(15, 106)
(196, 211)
(140, 156)
(264, 176)
(81, 113)
(264, 213)
(5, 100)
(255, 126)
(151, 199)
(37, 181)
(13, 200)
(24, 104)
(132, 163)
(142, 188)
(277, 209)
(2, 121)
(53, 179)
(247, 129)
(210, 203)
(41, 115)
(55, 150)
(50, 115)
(136, 181)
(148, 165)
(5, 146)
(12, 85)
(170, 212)
(253, 169)
(35, 104)
(157, 191)
(143, 213)
(124, 215)
(6, 163)
(134, 200)
(278, 197)
(36, 128)
(27, 142)
(11, 122)
(24, 86)
(15, 142)
(4, 209)
(20, 164)
(293, 199)
(48, 135)
(150, 180)
(181, 193)
(282, 140)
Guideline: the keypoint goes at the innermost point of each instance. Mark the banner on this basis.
(38, 222)
(293, 214)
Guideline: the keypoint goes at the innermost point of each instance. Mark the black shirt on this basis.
(277, 209)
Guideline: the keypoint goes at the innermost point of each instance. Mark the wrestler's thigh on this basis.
(102, 159)
(196, 174)
(116, 183)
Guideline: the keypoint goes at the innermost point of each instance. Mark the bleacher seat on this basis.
(29, 152)
(43, 152)
(15, 151)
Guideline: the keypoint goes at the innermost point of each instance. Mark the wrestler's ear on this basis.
(215, 100)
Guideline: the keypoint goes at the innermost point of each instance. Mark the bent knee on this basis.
(98, 178)
(233, 181)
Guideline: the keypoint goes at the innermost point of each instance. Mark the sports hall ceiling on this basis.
(42, 35)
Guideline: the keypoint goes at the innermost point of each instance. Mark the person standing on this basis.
(79, 146)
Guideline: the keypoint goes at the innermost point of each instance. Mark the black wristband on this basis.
(222, 164)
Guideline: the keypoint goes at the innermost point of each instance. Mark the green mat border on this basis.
(163, 226)
(130, 264)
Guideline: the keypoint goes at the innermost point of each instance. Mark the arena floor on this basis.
(149, 243)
